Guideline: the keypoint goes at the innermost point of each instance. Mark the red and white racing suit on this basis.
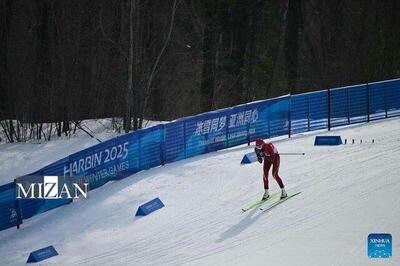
(270, 156)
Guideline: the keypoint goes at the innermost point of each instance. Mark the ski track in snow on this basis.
(348, 192)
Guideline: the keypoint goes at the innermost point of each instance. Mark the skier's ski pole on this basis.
(292, 153)
(289, 153)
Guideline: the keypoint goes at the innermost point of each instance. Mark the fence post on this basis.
(308, 112)
(140, 149)
(269, 127)
(184, 139)
(17, 206)
(207, 137)
(248, 133)
(162, 146)
(329, 110)
(385, 100)
(247, 127)
(348, 107)
(228, 117)
(290, 115)
(368, 103)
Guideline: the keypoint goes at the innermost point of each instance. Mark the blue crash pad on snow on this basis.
(42, 254)
(327, 140)
(249, 158)
(149, 207)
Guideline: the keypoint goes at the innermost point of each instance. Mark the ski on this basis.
(276, 203)
(258, 203)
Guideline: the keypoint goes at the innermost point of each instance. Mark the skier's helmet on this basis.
(259, 144)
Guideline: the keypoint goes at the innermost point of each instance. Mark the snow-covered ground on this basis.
(348, 192)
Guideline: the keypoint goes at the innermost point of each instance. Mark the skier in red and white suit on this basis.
(267, 152)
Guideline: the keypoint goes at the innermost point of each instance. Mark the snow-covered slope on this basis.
(348, 192)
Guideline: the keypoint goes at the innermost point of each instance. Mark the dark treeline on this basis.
(69, 60)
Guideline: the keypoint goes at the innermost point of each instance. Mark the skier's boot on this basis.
(266, 195)
(283, 194)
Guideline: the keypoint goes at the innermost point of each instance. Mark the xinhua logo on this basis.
(380, 245)
(51, 187)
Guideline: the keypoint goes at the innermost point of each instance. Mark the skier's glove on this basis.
(259, 155)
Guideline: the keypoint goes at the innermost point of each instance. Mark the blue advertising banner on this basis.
(8, 208)
(174, 142)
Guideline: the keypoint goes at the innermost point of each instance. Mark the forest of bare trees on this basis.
(68, 60)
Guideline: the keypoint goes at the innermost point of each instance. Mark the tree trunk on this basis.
(11, 130)
(252, 81)
(292, 41)
(59, 129)
(278, 72)
(208, 73)
(129, 87)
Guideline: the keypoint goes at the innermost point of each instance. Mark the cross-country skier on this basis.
(267, 151)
